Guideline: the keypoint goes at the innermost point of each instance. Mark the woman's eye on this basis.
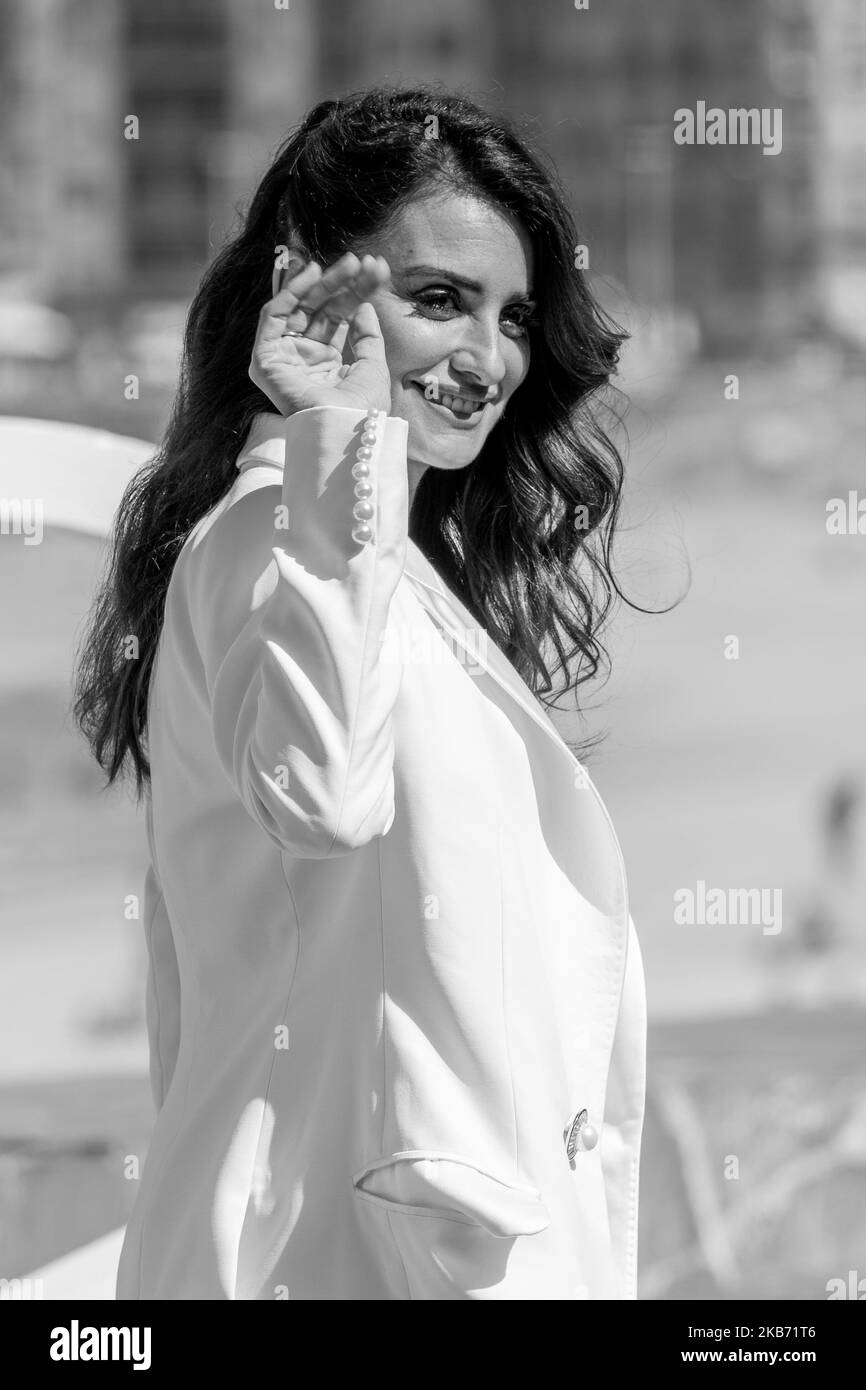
(443, 303)
(436, 301)
(518, 321)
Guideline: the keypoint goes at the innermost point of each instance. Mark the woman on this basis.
(395, 1000)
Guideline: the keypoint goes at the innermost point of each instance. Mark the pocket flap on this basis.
(423, 1183)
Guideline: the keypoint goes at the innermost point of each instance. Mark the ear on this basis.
(288, 261)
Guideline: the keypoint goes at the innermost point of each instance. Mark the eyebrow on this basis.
(461, 280)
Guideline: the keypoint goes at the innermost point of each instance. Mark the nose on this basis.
(479, 355)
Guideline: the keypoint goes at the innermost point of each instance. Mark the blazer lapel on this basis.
(587, 840)
(446, 609)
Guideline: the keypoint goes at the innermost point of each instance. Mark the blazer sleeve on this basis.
(291, 616)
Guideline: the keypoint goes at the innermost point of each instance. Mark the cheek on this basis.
(419, 344)
(405, 346)
(516, 364)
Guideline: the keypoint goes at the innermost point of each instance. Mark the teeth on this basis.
(458, 405)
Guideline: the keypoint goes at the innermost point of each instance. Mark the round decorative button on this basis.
(363, 488)
(362, 534)
(579, 1134)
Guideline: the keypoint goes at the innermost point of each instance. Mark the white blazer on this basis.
(391, 956)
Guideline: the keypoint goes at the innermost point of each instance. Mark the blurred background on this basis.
(131, 131)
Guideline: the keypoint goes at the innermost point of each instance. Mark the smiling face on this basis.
(454, 320)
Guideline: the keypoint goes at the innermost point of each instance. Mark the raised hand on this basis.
(297, 355)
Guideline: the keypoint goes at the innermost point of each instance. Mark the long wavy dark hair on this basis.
(522, 535)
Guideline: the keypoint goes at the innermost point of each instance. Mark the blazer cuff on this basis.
(317, 519)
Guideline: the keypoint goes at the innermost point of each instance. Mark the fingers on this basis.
(280, 312)
(321, 304)
(365, 335)
(335, 298)
(338, 338)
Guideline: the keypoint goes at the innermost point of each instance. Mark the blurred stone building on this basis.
(757, 247)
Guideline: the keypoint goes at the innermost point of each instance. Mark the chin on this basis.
(443, 447)
(425, 455)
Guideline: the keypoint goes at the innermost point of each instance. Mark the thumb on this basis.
(365, 335)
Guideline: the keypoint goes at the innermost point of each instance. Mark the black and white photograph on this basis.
(433, 678)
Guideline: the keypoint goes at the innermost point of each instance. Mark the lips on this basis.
(461, 407)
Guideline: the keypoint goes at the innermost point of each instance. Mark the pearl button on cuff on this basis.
(364, 510)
